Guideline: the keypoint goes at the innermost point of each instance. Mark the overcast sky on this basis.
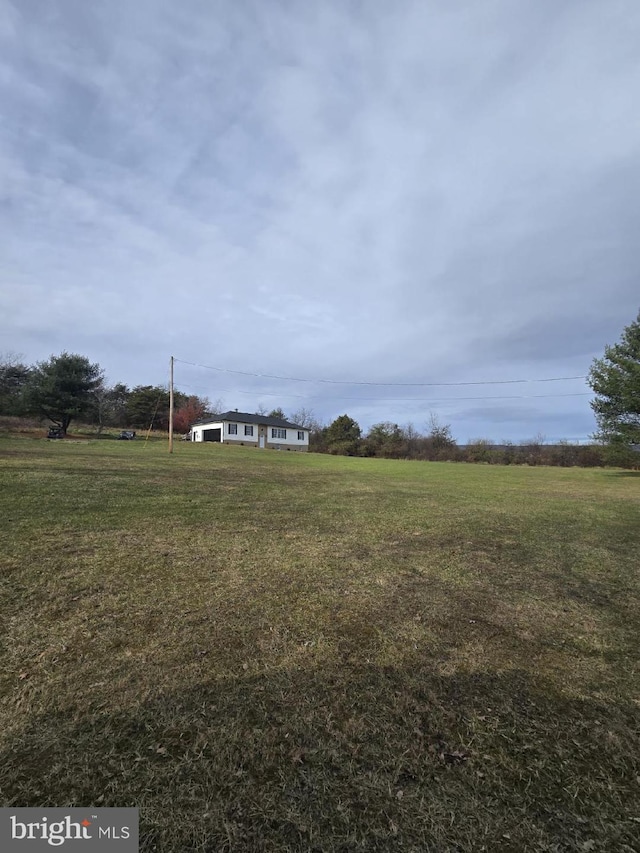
(365, 191)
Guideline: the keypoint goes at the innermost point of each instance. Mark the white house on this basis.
(261, 431)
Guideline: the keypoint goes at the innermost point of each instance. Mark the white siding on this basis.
(240, 436)
(197, 432)
(292, 437)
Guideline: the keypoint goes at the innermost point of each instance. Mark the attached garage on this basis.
(212, 434)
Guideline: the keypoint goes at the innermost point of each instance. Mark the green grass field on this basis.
(288, 652)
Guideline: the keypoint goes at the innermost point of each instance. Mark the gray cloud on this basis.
(337, 190)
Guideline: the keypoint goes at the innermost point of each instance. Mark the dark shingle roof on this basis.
(249, 418)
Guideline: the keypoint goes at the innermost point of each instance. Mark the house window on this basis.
(300, 435)
(233, 429)
(248, 430)
(276, 432)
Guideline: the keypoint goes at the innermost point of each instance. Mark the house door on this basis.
(262, 441)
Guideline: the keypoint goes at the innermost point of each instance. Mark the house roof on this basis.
(248, 418)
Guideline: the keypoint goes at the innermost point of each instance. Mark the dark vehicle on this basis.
(126, 435)
(55, 432)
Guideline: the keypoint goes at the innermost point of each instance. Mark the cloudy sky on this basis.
(413, 196)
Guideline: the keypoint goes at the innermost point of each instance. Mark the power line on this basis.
(396, 399)
(384, 384)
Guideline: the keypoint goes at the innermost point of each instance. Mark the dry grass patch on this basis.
(292, 652)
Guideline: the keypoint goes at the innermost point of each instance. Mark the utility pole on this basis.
(171, 405)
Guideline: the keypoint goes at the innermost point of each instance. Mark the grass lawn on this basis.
(290, 652)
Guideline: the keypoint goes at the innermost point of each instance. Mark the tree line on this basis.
(436, 444)
(69, 387)
(614, 379)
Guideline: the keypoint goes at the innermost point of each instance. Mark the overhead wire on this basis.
(255, 393)
(378, 384)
